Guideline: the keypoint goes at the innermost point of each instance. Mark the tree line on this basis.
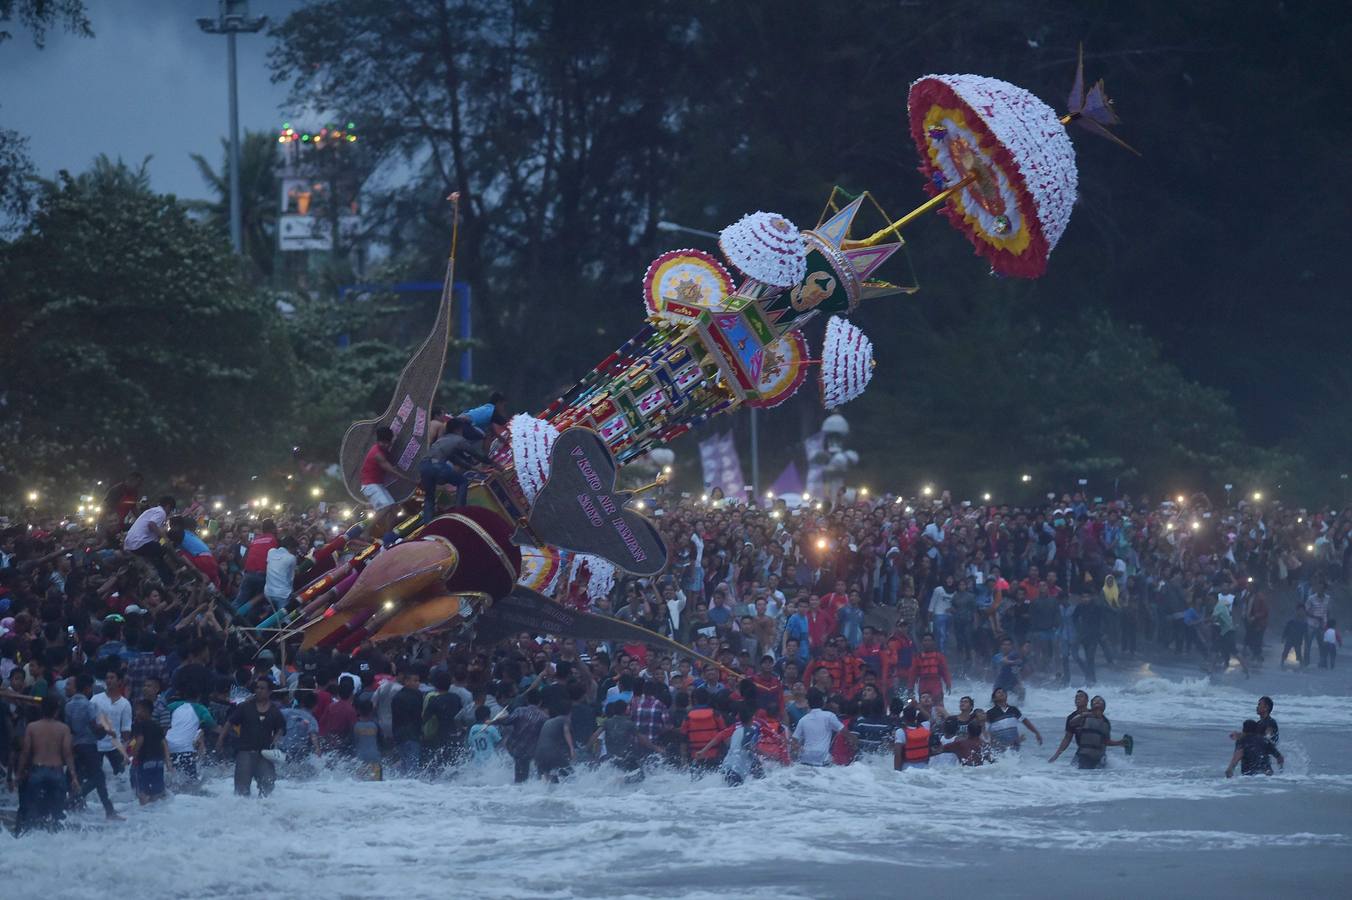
(1171, 342)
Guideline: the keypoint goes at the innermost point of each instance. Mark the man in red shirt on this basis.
(821, 624)
(376, 469)
(335, 726)
(929, 673)
(769, 689)
(256, 564)
(1032, 585)
(120, 501)
(837, 598)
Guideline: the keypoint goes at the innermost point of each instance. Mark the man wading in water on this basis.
(1254, 752)
(1093, 736)
(47, 751)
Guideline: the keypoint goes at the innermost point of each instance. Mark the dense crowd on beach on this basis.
(813, 631)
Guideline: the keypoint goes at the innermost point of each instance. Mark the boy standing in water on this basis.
(366, 741)
(1253, 753)
(1293, 636)
(554, 751)
(1008, 664)
(483, 738)
(1328, 647)
(151, 752)
(1267, 726)
(1002, 723)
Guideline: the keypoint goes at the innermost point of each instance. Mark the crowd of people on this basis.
(1065, 582)
(816, 631)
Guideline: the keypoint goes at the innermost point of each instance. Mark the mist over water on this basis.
(1164, 821)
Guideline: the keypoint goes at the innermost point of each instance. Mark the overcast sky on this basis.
(149, 82)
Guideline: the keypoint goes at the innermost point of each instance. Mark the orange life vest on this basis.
(927, 667)
(917, 744)
(701, 726)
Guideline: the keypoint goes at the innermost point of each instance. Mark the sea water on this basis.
(1164, 822)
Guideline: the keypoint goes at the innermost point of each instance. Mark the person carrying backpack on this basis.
(440, 733)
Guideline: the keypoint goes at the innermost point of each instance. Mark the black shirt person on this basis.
(260, 724)
(1267, 726)
(1253, 752)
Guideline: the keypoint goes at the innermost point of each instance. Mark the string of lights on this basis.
(329, 134)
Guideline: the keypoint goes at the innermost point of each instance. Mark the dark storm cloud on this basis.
(148, 83)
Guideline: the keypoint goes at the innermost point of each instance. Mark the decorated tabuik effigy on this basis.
(996, 159)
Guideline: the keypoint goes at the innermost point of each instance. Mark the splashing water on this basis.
(797, 832)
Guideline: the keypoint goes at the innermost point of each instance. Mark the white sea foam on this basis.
(671, 836)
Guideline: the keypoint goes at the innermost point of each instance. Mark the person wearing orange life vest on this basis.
(911, 749)
(701, 725)
(844, 670)
(929, 671)
(774, 734)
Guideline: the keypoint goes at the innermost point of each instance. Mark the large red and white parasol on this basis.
(1004, 162)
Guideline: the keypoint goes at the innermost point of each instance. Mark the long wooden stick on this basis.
(911, 216)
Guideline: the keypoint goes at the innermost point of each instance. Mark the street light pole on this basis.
(755, 454)
(233, 18)
(672, 226)
(236, 215)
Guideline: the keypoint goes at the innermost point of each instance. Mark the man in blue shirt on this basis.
(720, 614)
(85, 732)
(796, 628)
(494, 412)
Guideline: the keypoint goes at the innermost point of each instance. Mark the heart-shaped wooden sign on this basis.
(579, 508)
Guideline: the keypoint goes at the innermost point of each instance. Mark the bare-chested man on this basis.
(46, 768)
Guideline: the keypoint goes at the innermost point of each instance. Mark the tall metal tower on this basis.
(233, 19)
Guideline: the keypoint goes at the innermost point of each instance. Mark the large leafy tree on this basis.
(37, 17)
(553, 121)
(998, 396)
(132, 339)
(572, 129)
(258, 160)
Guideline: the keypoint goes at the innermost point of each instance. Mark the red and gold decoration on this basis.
(1004, 162)
(682, 284)
(998, 162)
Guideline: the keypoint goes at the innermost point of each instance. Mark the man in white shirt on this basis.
(281, 572)
(114, 707)
(674, 598)
(143, 538)
(940, 607)
(775, 600)
(815, 730)
(184, 738)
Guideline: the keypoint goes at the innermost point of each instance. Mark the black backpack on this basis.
(439, 712)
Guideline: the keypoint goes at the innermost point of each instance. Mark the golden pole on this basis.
(661, 479)
(454, 197)
(911, 216)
